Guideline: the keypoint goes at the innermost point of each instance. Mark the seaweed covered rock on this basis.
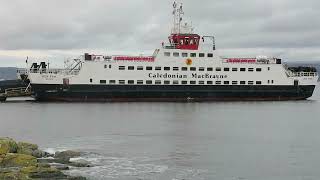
(35, 172)
(8, 145)
(17, 160)
(30, 149)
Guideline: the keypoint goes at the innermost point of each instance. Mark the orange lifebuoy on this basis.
(189, 61)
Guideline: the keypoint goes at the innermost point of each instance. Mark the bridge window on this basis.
(149, 68)
(131, 82)
(201, 68)
(176, 54)
(193, 54)
(258, 69)
(112, 81)
(193, 69)
(140, 82)
(218, 69)
(167, 54)
(201, 54)
(175, 68)
(140, 68)
(103, 82)
(184, 54)
(166, 68)
(210, 55)
(209, 69)
(130, 67)
(242, 82)
(122, 67)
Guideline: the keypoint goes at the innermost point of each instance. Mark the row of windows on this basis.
(177, 54)
(150, 68)
(175, 82)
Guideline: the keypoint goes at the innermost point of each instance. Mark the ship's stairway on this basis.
(15, 92)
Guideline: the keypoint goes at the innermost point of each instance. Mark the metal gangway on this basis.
(15, 92)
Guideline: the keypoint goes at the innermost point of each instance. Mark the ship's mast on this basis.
(177, 18)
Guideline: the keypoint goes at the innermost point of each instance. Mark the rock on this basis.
(31, 149)
(46, 160)
(8, 145)
(17, 160)
(67, 154)
(77, 178)
(61, 167)
(79, 164)
(43, 173)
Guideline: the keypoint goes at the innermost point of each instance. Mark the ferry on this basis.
(186, 68)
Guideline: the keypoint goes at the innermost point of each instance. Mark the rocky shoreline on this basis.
(25, 161)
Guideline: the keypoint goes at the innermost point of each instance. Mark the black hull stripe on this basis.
(129, 93)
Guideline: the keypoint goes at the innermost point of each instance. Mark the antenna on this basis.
(177, 17)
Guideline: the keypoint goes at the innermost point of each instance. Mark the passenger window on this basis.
(140, 68)
(210, 55)
(218, 69)
(258, 82)
(158, 82)
(112, 81)
(184, 54)
(193, 69)
(250, 82)
(193, 54)
(166, 82)
(201, 68)
(166, 68)
(226, 82)
(91, 80)
(242, 82)
(175, 68)
(234, 82)
(201, 82)
(167, 54)
(234, 69)
(176, 54)
(131, 82)
(122, 81)
(130, 67)
(149, 68)
(158, 68)
(193, 82)
(184, 69)
(105, 66)
(175, 82)
(209, 82)
(201, 54)
(184, 82)
(103, 82)
(140, 82)
(218, 82)
(122, 68)
(149, 82)
(258, 69)
(209, 69)
(226, 69)
(250, 69)
(242, 69)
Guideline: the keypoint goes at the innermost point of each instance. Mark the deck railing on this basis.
(301, 74)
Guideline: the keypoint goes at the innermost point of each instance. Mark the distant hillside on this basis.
(8, 73)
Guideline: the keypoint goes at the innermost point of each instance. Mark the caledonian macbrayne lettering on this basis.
(184, 76)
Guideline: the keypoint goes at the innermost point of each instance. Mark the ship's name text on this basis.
(184, 76)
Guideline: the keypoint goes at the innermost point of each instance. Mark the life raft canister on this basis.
(189, 61)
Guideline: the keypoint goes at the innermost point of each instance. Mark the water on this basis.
(177, 141)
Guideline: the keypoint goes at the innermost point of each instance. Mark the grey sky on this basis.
(61, 28)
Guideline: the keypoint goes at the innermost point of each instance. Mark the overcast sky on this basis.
(55, 30)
